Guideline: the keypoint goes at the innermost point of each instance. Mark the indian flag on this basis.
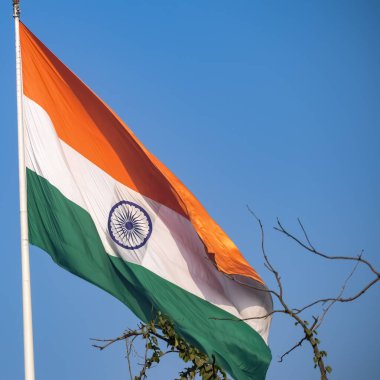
(104, 208)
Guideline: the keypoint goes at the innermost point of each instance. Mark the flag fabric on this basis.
(104, 208)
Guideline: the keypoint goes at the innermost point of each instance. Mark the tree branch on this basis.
(299, 344)
(310, 333)
(309, 247)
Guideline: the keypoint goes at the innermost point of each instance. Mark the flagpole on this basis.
(26, 291)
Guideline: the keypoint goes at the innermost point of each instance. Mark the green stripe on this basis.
(68, 234)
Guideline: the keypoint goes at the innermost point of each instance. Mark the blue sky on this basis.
(268, 103)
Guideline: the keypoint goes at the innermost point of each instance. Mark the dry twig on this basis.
(310, 334)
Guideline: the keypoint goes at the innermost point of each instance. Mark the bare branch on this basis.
(304, 232)
(266, 315)
(311, 249)
(298, 344)
(112, 341)
(339, 299)
(267, 261)
(260, 289)
(249, 318)
(310, 333)
(339, 295)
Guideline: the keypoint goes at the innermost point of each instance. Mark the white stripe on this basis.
(173, 251)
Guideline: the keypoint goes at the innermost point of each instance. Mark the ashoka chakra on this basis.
(129, 225)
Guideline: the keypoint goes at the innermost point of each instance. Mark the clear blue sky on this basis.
(275, 104)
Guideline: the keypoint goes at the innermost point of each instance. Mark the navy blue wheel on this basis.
(129, 225)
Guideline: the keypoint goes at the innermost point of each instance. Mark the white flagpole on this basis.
(26, 292)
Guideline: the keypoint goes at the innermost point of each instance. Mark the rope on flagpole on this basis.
(25, 265)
